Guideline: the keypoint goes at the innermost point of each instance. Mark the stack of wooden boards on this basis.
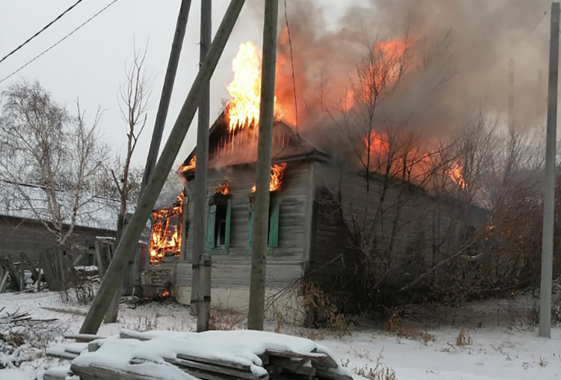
(272, 363)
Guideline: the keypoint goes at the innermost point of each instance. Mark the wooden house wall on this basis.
(427, 228)
(22, 235)
(285, 262)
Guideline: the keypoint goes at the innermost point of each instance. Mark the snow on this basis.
(499, 349)
(241, 346)
(73, 347)
(117, 353)
(87, 268)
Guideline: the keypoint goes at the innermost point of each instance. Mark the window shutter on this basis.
(210, 226)
(228, 219)
(250, 227)
(274, 224)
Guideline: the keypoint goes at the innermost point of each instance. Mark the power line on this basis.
(292, 64)
(540, 20)
(40, 31)
(59, 41)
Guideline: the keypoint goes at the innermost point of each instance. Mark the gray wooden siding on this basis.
(427, 228)
(285, 261)
(236, 274)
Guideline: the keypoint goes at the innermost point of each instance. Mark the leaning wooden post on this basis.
(167, 89)
(263, 171)
(150, 194)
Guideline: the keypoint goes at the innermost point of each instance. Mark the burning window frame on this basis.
(160, 224)
(217, 200)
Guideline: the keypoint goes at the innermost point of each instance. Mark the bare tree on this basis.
(60, 154)
(386, 209)
(134, 101)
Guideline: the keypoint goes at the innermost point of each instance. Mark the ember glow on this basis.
(223, 188)
(190, 166)
(456, 175)
(277, 172)
(165, 236)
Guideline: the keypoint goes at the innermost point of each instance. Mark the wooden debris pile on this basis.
(15, 273)
(186, 363)
(22, 337)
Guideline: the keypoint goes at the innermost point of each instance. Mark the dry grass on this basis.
(378, 372)
(463, 338)
(225, 318)
(395, 325)
(321, 312)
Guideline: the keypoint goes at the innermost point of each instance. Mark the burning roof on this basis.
(239, 146)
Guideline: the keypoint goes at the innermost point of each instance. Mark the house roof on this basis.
(96, 213)
(240, 148)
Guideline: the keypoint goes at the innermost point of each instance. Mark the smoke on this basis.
(458, 57)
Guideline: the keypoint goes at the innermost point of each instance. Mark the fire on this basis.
(190, 166)
(377, 143)
(456, 175)
(223, 188)
(164, 294)
(380, 71)
(277, 172)
(398, 154)
(165, 236)
(245, 88)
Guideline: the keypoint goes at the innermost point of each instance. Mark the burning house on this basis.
(333, 220)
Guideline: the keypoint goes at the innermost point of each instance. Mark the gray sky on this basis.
(90, 64)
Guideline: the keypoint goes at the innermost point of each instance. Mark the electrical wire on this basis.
(59, 41)
(292, 64)
(41, 31)
(540, 20)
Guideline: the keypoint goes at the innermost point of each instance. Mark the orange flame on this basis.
(456, 175)
(245, 89)
(190, 166)
(381, 70)
(165, 236)
(277, 172)
(223, 188)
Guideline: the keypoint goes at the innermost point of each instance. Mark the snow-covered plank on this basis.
(210, 372)
(96, 372)
(60, 373)
(322, 358)
(83, 337)
(301, 367)
(216, 362)
(67, 351)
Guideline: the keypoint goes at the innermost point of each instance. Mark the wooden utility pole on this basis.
(200, 301)
(549, 183)
(263, 170)
(511, 95)
(539, 99)
(148, 198)
(167, 90)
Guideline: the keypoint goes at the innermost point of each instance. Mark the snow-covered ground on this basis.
(496, 348)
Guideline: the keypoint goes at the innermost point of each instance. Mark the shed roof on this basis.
(96, 213)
